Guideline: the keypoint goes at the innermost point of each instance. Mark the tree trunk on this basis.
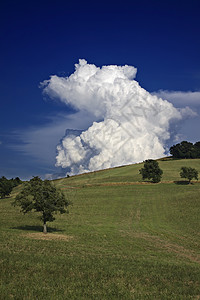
(45, 228)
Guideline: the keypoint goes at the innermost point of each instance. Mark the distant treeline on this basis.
(6, 185)
(185, 150)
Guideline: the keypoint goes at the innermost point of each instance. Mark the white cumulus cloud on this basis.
(130, 124)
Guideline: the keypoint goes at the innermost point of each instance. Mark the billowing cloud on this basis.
(130, 124)
(89, 87)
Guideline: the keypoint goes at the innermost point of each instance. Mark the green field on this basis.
(122, 239)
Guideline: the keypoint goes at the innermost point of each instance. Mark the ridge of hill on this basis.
(130, 174)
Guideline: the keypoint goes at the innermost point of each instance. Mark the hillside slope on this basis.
(121, 240)
(130, 174)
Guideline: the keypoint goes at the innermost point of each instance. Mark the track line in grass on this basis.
(82, 185)
(169, 247)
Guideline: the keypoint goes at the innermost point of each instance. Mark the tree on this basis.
(42, 196)
(16, 181)
(197, 149)
(151, 170)
(183, 150)
(189, 173)
(5, 187)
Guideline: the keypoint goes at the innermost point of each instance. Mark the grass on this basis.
(130, 174)
(121, 240)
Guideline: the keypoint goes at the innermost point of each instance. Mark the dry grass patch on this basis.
(48, 236)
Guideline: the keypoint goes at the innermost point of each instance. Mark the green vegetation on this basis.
(189, 173)
(41, 196)
(151, 170)
(6, 185)
(186, 150)
(122, 239)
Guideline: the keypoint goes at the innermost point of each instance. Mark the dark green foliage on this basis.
(41, 196)
(189, 173)
(15, 181)
(5, 187)
(186, 150)
(151, 170)
(197, 149)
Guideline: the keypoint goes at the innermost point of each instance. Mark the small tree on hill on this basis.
(42, 196)
(15, 181)
(189, 173)
(5, 187)
(151, 170)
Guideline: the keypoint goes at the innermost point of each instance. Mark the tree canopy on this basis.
(151, 170)
(185, 150)
(42, 196)
(6, 185)
(189, 173)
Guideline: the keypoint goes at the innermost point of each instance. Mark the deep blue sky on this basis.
(42, 38)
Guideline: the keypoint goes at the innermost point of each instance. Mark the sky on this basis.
(42, 41)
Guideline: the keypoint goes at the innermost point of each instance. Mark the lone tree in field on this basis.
(189, 173)
(151, 170)
(42, 196)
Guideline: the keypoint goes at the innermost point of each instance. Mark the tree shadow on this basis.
(149, 181)
(37, 228)
(182, 182)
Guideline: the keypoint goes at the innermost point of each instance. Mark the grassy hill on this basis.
(130, 174)
(123, 239)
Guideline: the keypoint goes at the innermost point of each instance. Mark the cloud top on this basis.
(87, 87)
(130, 124)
